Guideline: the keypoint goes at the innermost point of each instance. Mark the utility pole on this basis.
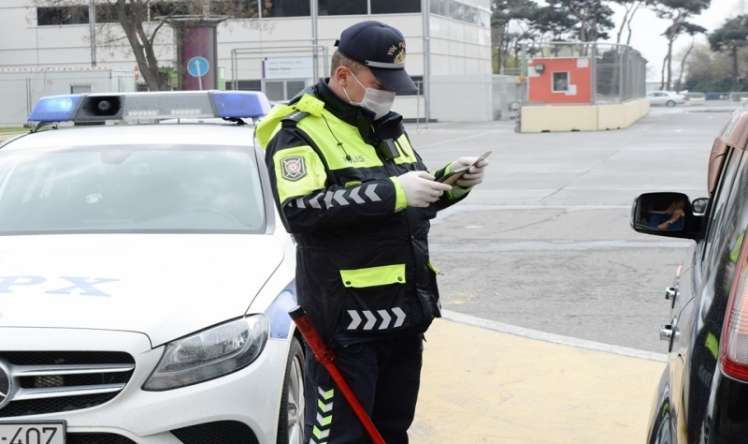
(426, 13)
(314, 10)
(92, 30)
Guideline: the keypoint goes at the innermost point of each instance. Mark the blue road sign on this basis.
(198, 66)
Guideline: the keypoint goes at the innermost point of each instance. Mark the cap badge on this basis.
(398, 53)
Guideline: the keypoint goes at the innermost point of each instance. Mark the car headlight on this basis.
(211, 353)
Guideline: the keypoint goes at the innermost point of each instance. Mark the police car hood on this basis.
(165, 286)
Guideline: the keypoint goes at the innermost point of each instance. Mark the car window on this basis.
(727, 242)
(130, 189)
(718, 204)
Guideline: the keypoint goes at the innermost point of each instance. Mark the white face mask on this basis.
(375, 100)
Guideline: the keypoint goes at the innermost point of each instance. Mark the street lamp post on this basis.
(426, 13)
(92, 29)
(314, 13)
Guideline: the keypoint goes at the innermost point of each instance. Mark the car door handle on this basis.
(671, 293)
(666, 332)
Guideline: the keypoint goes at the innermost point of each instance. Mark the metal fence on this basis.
(248, 70)
(508, 92)
(617, 72)
(21, 89)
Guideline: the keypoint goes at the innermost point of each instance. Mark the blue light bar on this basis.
(55, 108)
(238, 104)
(150, 106)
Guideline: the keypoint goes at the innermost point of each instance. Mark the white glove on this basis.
(474, 175)
(421, 189)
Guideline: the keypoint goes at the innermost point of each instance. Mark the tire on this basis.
(291, 415)
(670, 103)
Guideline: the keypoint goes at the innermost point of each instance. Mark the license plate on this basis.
(32, 433)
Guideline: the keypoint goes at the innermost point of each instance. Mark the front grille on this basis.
(50, 382)
(97, 438)
(220, 432)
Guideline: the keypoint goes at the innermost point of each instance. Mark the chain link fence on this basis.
(611, 73)
(21, 89)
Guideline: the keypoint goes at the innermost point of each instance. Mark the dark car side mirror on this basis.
(669, 215)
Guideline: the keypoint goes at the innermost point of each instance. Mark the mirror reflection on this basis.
(664, 213)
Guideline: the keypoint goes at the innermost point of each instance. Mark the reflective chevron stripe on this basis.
(354, 195)
(330, 199)
(384, 321)
(326, 395)
(324, 408)
(338, 197)
(371, 194)
(323, 423)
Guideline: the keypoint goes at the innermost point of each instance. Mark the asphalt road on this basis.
(545, 242)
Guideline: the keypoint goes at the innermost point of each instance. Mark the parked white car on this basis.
(145, 277)
(667, 98)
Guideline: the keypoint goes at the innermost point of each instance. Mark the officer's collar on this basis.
(355, 115)
(372, 131)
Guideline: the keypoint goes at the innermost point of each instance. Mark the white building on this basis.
(267, 40)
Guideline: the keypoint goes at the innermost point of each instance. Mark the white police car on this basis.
(145, 277)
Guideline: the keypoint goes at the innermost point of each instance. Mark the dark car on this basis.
(703, 393)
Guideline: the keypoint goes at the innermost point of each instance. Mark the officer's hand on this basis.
(472, 177)
(421, 189)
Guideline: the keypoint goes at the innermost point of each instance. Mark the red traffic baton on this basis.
(324, 356)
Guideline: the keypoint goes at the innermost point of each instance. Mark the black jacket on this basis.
(353, 234)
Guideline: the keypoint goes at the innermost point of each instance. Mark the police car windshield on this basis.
(160, 188)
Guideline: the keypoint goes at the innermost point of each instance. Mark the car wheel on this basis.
(670, 103)
(291, 419)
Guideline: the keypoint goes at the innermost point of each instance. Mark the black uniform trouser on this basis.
(384, 374)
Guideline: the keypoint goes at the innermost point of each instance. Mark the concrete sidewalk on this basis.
(482, 386)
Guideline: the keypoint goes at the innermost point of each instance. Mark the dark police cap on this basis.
(381, 48)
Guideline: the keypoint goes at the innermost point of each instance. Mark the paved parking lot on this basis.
(545, 242)
(544, 250)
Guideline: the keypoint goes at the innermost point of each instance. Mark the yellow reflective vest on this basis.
(363, 266)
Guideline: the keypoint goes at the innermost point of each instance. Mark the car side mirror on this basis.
(668, 214)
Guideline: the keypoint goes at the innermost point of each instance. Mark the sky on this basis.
(647, 32)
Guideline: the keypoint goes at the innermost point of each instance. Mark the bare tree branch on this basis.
(161, 23)
(630, 21)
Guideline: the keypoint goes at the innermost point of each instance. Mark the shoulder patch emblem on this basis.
(293, 168)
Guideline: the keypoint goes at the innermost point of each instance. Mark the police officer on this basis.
(358, 199)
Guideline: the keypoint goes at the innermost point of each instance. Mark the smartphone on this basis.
(455, 175)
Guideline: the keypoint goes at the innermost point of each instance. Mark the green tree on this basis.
(708, 70)
(505, 13)
(678, 13)
(551, 22)
(730, 37)
(584, 20)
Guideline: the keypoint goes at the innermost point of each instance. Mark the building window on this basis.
(245, 85)
(285, 8)
(395, 6)
(162, 9)
(80, 89)
(440, 7)
(67, 15)
(106, 13)
(236, 8)
(560, 81)
(342, 7)
(462, 12)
